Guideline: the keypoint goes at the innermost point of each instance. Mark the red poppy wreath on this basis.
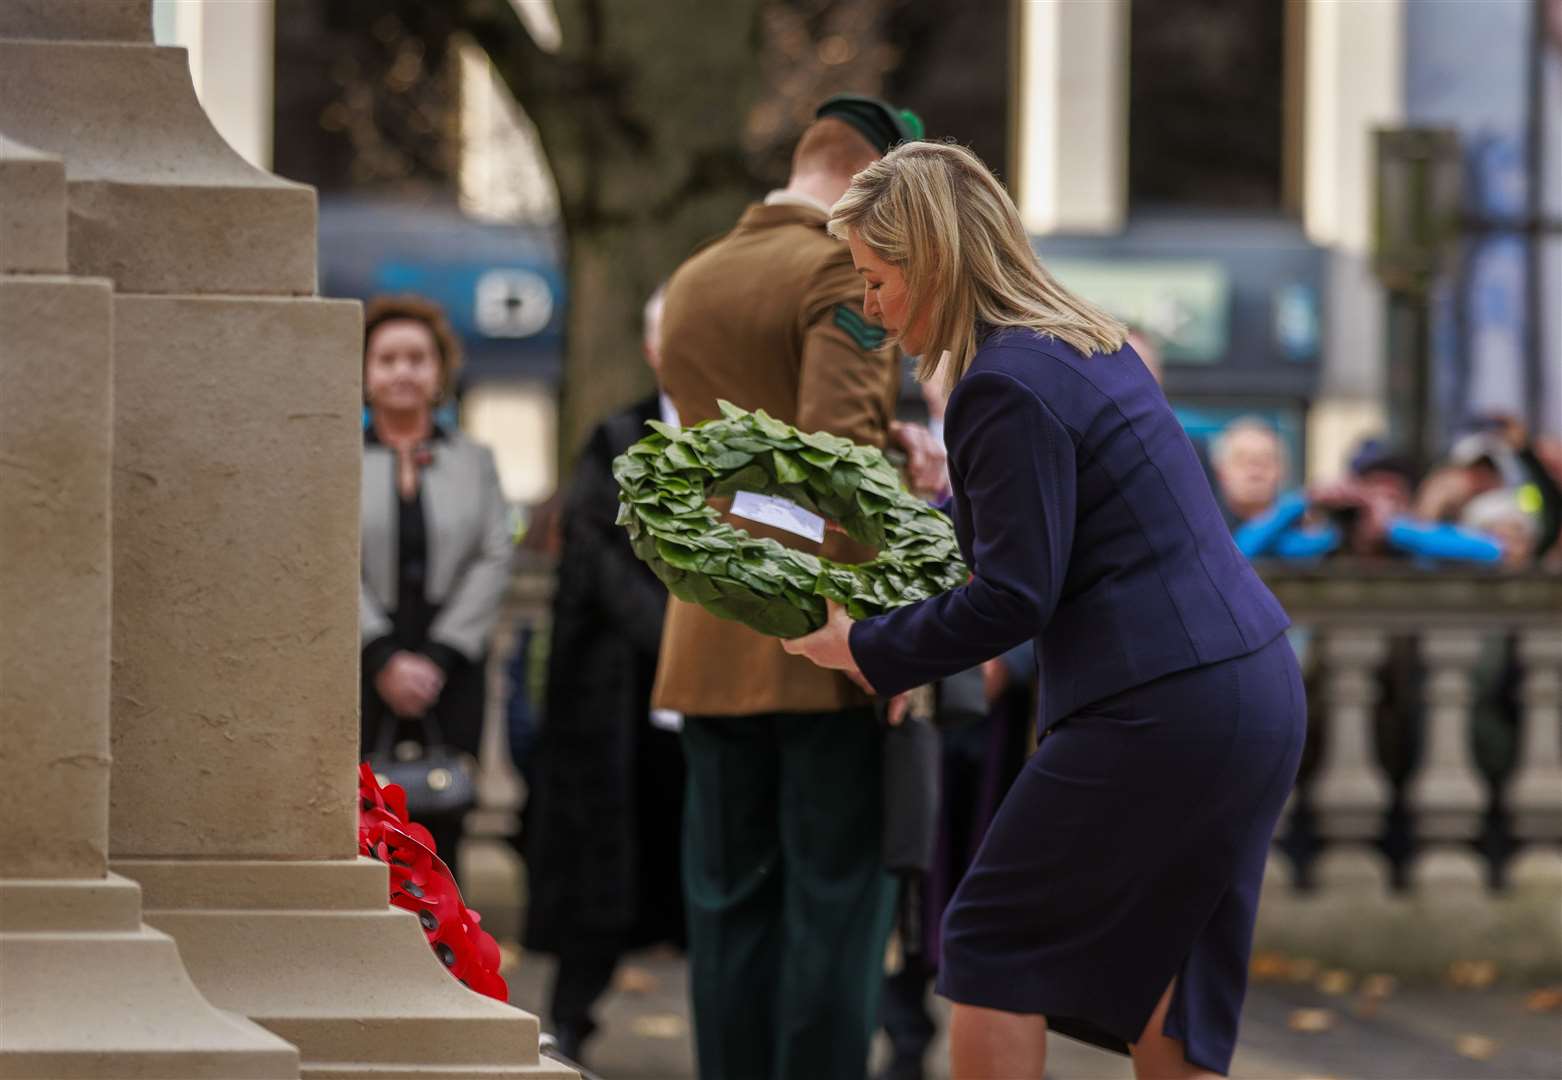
(421, 883)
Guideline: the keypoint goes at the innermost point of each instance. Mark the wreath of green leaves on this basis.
(665, 479)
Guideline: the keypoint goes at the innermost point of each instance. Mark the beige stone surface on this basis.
(311, 951)
(32, 211)
(235, 578)
(55, 445)
(86, 990)
(233, 687)
(109, 997)
(158, 201)
(75, 20)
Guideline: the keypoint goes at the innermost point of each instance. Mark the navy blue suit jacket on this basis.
(1089, 527)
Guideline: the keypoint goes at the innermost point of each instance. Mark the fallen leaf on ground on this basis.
(1335, 982)
(1475, 1047)
(1311, 1021)
(633, 979)
(1548, 999)
(1303, 969)
(1378, 986)
(1472, 974)
(1269, 966)
(659, 1026)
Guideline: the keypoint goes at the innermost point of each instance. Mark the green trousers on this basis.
(788, 906)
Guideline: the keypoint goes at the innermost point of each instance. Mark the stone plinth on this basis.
(88, 991)
(158, 202)
(380, 1000)
(32, 211)
(77, 20)
(85, 989)
(234, 689)
(235, 577)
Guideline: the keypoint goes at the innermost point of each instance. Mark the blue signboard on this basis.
(502, 286)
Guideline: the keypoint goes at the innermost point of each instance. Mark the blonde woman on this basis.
(1114, 896)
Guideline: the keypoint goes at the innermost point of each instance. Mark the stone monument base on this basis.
(312, 951)
(87, 991)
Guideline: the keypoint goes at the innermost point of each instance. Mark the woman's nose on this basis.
(870, 305)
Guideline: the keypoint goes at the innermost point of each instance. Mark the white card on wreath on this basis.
(780, 513)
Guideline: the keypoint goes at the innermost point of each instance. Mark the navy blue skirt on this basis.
(1130, 853)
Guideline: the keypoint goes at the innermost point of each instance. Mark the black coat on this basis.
(602, 819)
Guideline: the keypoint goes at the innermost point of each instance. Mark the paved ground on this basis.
(1299, 1024)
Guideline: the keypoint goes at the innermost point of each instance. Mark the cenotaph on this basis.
(235, 565)
(86, 989)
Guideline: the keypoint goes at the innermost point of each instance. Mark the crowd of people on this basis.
(1495, 499)
(691, 782)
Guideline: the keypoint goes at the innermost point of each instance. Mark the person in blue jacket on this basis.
(1366, 515)
(1114, 896)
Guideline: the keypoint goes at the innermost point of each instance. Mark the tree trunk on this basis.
(640, 114)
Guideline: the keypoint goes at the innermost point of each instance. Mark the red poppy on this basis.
(421, 883)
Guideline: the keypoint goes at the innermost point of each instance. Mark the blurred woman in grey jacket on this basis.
(435, 542)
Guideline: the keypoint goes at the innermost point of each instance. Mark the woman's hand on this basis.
(830, 645)
(409, 683)
(927, 464)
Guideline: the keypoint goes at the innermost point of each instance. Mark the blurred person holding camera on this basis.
(1368, 514)
(1496, 453)
(436, 563)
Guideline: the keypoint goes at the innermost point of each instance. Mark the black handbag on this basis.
(912, 777)
(440, 780)
(962, 699)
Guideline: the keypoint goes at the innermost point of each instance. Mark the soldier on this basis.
(788, 905)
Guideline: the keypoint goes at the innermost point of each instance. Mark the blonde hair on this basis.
(936, 212)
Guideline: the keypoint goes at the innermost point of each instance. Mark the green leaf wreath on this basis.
(665, 479)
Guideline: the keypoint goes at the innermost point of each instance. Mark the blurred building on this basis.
(1206, 169)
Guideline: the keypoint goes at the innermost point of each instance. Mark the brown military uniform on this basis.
(768, 317)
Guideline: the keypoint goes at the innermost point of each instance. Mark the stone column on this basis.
(1354, 82)
(1351, 792)
(235, 525)
(85, 988)
(1535, 791)
(1446, 792)
(1070, 132)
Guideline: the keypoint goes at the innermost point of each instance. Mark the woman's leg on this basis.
(987, 1044)
(1160, 1057)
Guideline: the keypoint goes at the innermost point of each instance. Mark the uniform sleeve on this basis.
(1016, 463)
(848, 380)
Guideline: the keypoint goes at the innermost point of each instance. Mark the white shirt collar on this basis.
(669, 412)
(792, 198)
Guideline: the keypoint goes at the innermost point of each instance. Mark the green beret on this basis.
(880, 123)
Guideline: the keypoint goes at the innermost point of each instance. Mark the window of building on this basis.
(1210, 122)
